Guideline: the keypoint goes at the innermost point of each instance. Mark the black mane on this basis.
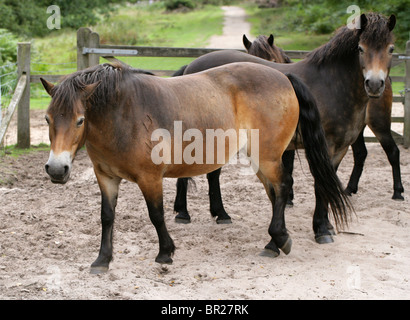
(344, 44)
(107, 75)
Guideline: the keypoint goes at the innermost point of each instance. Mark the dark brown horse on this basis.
(343, 75)
(378, 119)
(128, 121)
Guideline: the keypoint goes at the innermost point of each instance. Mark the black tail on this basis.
(327, 185)
(180, 72)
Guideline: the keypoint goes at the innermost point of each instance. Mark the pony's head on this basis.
(376, 45)
(265, 48)
(67, 125)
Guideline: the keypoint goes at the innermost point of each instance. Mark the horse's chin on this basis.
(374, 96)
(60, 181)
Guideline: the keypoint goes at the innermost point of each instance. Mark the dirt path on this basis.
(50, 234)
(235, 25)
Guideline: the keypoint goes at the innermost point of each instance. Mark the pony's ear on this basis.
(392, 22)
(48, 86)
(270, 40)
(246, 42)
(89, 89)
(363, 21)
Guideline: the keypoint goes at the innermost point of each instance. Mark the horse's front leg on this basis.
(151, 188)
(359, 156)
(215, 198)
(180, 203)
(109, 193)
(379, 121)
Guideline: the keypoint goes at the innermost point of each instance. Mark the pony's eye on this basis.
(361, 50)
(47, 119)
(80, 122)
(391, 49)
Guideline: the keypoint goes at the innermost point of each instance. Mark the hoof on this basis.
(289, 204)
(223, 221)
(269, 253)
(98, 270)
(398, 197)
(350, 191)
(287, 246)
(182, 220)
(163, 260)
(326, 238)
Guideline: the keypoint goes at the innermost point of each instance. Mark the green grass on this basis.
(152, 26)
(129, 25)
(273, 21)
(16, 152)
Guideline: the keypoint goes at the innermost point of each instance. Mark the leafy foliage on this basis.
(29, 18)
(8, 45)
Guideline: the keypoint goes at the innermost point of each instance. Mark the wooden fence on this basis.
(90, 49)
(21, 98)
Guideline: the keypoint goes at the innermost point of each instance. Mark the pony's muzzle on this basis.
(59, 167)
(374, 87)
(374, 84)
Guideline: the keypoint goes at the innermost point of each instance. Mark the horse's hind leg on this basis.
(151, 188)
(288, 159)
(109, 193)
(277, 183)
(215, 198)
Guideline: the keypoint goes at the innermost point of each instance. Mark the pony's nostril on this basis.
(367, 81)
(47, 167)
(65, 169)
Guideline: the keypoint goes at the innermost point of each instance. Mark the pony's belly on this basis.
(189, 170)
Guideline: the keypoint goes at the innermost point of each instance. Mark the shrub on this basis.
(179, 4)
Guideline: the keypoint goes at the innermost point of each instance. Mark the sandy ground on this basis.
(50, 234)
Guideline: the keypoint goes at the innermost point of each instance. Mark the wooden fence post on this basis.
(23, 112)
(406, 129)
(87, 39)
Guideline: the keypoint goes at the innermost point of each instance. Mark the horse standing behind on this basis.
(343, 75)
(378, 119)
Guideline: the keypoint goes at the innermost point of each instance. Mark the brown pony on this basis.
(378, 119)
(343, 75)
(120, 114)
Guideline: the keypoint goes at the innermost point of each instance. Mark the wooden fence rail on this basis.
(90, 49)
